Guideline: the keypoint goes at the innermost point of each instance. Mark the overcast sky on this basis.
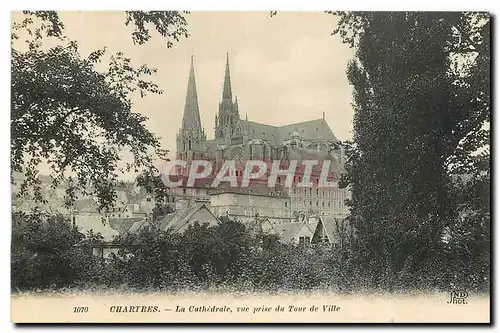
(284, 69)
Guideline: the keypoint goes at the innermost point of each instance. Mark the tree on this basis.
(77, 120)
(44, 252)
(421, 102)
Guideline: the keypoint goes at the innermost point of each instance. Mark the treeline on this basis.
(48, 253)
(419, 163)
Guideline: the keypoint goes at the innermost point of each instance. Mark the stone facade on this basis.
(245, 206)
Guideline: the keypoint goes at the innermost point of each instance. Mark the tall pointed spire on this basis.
(226, 92)
(191, 119)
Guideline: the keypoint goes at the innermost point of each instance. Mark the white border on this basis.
(427, 5)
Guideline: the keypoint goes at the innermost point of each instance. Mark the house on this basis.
(331, 230)
(260, 226)
(110, 229)
(296, 232)
(179, 220)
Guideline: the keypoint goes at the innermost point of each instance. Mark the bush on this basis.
(45, 253)
(48, 253)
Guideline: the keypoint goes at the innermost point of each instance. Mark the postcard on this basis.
(250, 167)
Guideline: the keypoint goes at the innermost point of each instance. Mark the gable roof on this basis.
(85, 205)
(288, 231)
(137, 226)
(55, 206)
(329, 224)
(257, 223)
(180, 218)
(123, 225)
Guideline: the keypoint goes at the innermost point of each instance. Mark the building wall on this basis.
(247, 205)
(183, 192)
(317, 200)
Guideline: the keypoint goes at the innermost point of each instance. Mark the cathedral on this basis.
(241, 140)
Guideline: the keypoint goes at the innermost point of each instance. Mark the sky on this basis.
(284, 69)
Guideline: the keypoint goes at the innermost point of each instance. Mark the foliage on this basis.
(75, 119)
(225, 257)
(418, 167)
(422, 111)
(44, 252)
(169, 24)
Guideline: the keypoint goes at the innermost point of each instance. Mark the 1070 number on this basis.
(80, 309)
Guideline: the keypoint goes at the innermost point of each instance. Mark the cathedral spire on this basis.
(191, 119)
(226, 92)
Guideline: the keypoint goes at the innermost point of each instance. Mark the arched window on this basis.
(189, 145)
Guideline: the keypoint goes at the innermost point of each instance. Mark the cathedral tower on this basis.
(191, 136)
(227, 122)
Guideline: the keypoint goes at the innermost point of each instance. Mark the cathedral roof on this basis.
(262, 131)
(311, 130)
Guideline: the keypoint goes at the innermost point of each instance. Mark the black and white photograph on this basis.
(250, 166)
